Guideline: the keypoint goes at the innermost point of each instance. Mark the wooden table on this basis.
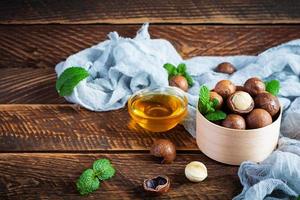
(46, 143)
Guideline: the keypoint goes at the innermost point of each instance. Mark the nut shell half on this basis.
(240, 102)
(267, 102)
(158, 184)
(258, 118)
(234, 121)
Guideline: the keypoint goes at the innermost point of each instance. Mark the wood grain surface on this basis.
(42, 46)
(53, 176)
(155, 11)
(66, 128)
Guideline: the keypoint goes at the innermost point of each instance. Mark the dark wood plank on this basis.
(33, 48)
(155, 11)
(53, 176)
(41, 46)
(28, 85)
(65, 128)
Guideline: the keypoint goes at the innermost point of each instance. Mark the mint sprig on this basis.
(69, 79)
(179, 70)
(216, 115)
(89, 180)
(207, 106)
(273, 87)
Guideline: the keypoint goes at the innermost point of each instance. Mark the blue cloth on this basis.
(119, 67)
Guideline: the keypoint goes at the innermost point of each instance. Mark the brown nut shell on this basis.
(234, 121)
(164, 149)
(158, 184)
(254, 86)
(240, 88)
(258, 118)
(226, 68)
(267, 102)
(240, 102)
(225, 88)
(180, 82)
(214, 95)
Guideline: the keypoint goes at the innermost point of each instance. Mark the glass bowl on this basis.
(158, 109)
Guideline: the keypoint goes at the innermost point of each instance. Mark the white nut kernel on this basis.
(195, 171)
(242, 100)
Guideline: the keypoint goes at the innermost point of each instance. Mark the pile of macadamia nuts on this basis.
(248, 107)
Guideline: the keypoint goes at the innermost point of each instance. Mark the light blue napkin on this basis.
(119, 67)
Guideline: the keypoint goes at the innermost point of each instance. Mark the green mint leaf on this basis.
(273, 87)
(204, 94)
(215, 116)
(189, 79)
(69, 79)
(103, 169)
(215, 103)
(203, 104)
(181, 68)
(171, 69)
(87, 182)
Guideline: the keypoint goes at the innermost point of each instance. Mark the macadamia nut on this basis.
(195, 171)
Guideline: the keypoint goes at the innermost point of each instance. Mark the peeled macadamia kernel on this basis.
(195, 171)
(254, 86)
(180, 82)
(225, 88)
(226, 68)
(240, 102)
(258, 118)
(214, 95)
(267, 102)
(234, 121)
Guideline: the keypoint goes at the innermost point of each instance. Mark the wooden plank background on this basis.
(45, 142)
(155, 11)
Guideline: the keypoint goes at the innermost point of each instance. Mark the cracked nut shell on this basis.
(225, 88)
(254, 86)
(226, 68)
(164, 149)
(180, 82)
(234, 121)
(214, 95)
(240, 102)
(267, 102)
(258, 118)
(158, 184)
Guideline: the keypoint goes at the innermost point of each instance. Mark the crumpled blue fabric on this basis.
(119, 67)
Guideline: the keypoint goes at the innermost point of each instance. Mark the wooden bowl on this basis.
(232, 146)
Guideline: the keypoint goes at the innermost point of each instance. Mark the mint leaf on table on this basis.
(215, 116)
(103, 169)
(181, 68)
(69, 79)
(171, 69)
(273, 87)
(87, 182)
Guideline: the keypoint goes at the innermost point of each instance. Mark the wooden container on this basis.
(232, 146)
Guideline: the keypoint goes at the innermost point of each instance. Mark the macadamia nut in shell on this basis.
(225, 88)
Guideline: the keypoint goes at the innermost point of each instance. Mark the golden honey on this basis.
(158, 111)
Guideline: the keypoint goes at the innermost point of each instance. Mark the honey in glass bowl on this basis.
(158, 109)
